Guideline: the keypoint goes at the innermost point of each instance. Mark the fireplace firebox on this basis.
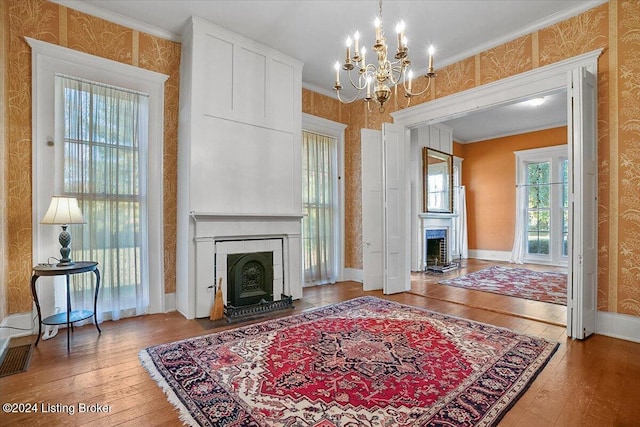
(437, 251)
(249, 278)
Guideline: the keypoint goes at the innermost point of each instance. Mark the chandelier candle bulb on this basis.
(377, 24)
(356, 38)
(362, 52)
(410, 78)
(400, 31)
(431, 51)
(337, 67)
(348, 61)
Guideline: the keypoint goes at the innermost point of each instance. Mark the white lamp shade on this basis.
(63, 210)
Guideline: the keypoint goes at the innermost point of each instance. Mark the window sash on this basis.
(105, 131)
(319, 208)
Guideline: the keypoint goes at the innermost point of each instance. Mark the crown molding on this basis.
(529, 29)
(117, 18)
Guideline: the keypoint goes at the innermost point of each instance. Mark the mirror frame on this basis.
(426, 151)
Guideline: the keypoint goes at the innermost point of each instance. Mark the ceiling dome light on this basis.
(536, 102)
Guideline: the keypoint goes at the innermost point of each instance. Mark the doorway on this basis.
(576, 75)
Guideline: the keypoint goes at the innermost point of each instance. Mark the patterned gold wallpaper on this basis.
(57, 24)
(3, 189)
(614, 26)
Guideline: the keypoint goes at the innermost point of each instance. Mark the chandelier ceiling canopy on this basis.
(378, 78)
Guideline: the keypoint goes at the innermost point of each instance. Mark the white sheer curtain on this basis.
(105, 146)
(461, 223)
(319, 198)
(517, 253)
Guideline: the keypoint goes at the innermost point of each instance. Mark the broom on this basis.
(218, 307)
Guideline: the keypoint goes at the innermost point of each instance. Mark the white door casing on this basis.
(520, 87)
(583, 213)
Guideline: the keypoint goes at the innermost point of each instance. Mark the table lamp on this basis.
(64, 211)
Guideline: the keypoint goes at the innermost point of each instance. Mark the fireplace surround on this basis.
(217, 235)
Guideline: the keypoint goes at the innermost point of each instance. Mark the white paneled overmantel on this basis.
(239, 157)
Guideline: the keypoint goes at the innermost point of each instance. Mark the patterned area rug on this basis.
(363, 362)
(516, 282)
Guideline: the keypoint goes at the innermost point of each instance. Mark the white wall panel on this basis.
(239, 168)
(249, 85)
(213, 73)
(282, 84)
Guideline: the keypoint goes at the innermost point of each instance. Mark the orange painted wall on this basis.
(489, 174)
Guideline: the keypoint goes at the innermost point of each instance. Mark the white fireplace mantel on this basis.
(208, 232)
(437, 220)
(436, 215)
(239, 157)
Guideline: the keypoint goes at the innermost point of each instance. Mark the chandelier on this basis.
(377, 79)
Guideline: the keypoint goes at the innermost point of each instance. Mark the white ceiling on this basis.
(512, 119)
(314, 31)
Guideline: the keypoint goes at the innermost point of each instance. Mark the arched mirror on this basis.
(438, 181)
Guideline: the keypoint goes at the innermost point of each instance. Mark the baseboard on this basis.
(23, 323)
(617, 325)
(169, 302)
(4, 342)
(490, 255)
(353, 274)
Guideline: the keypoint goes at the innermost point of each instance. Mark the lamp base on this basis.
(65, 263)
(65, 239)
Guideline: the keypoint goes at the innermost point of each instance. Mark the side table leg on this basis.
(95, 300)
(34, 294)
(68, 310)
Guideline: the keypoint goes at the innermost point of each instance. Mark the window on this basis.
(319, 199)
(48, 171)
(543, 203)
(105, 140)
(538, 208)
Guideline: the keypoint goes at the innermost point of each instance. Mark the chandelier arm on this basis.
(395, 71)
(395, 96)
(349, 101)
(417, 93)
(356, 86)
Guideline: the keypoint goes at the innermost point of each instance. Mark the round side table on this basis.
(71, 316)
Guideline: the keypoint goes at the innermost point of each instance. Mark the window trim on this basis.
(336, 130)
(47, 61)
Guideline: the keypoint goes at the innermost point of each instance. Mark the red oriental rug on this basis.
(542, 286)
(363, 362)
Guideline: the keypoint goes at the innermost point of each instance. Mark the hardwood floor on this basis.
(595, 382)
(427, 284)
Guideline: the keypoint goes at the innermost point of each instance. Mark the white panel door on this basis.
(372, 209)
(583, 216)
(396, 217)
